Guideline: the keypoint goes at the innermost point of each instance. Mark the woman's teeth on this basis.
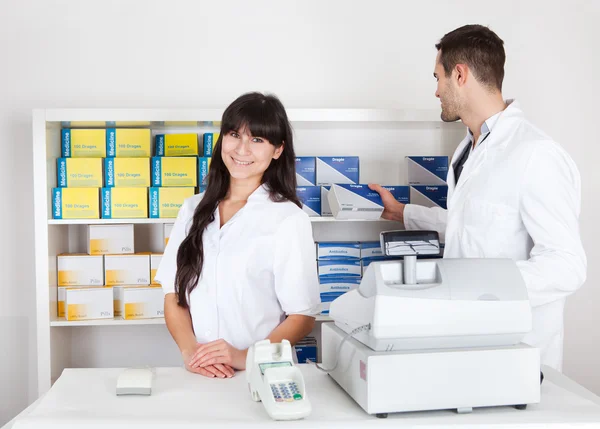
(242, 162)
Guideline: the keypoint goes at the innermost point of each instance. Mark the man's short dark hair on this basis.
(479, 48)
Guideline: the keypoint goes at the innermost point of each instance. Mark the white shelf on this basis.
(172, 220)
(121, 322)
(183, 116)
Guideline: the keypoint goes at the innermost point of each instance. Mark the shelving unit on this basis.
(381, 138)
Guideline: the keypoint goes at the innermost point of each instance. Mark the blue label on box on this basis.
(156, 171)
(400, 193)
(365, 192)
(331, 296)
(106, 203)
(57, 203)
(203, 170)
(208, 143)
(66, 143)
(436, 194)
(338, 251)
(437, 165)
(339, 268)
(304, 353)
(337, 169)
(61, 166)
(111, 142)
(109, 172)
(154, 196)
(310, 196)
(159, 145)
(306, 174)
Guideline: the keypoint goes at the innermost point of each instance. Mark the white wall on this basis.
(312, 53)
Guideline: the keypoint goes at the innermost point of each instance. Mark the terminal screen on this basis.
(264, 366)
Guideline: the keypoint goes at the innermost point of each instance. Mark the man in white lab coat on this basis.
(512, 191)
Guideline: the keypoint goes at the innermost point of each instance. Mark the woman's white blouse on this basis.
(260, 266)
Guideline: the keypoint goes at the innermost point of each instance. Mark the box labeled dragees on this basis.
(79, 172)
(88, 303)
(174, 171)
(310, 197)
(75, 203)
(354, 202)
(128, 142)
(127, 172)
(127, 269)
(83, 143)
(429, 196)
(166, 202)
(400, 193)
(124, 203)
(110, 239)
(427, 170)
(80, 270)
(176, 145)
(306, 173)
(337, 169)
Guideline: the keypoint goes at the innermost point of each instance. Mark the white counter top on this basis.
(85, 398)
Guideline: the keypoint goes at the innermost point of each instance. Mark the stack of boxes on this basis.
(111, 173)
(111, 280)
(427, 180)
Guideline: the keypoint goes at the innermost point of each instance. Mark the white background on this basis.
(372, 54)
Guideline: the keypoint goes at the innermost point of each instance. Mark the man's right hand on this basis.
(211, 371)
(393, 210)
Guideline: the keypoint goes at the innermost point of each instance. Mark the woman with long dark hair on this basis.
(240, 263)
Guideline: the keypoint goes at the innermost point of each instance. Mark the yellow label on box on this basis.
(174, 171)
(115, 239)
(89, 303)
(166, 202)
(176, 145)
(131, 142)
(82, 143)
(142, 302)
(80, 270)
(75, 203)
(127, 269)
(127, 172)
(124, 203)
(79, 172)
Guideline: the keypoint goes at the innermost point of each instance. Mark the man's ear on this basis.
(462, 73)
(278, 151)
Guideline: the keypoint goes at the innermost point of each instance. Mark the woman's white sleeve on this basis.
(168, 264)
(295, 267)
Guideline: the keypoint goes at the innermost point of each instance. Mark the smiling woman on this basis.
(240, 257)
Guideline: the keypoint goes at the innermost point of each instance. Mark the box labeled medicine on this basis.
(80, 270)
(306, 173)
(83, 143)
(127, 269)
(427, 170)
(167, 232)
(141, 302)
(124, 203)
(155, 259)
(166, 202)
(339, 268)
(79, 172)
(128, 142)
(176, 145)
(180, 171)
(110, 239)
(400, 193)
(338, 284)
(203, 167)
(88, 303)
(429, 196)
(310, 197)
(338, 250)
(209, 141)
(337, 169)
(354, 202)
(75, 203)
(325, 209)
(127, 172)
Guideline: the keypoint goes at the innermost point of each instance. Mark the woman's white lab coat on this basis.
(518, 197)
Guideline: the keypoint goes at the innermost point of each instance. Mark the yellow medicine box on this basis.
(87, 303)
(127, 269)
(139, 302)
(127, 172)
(83, 143)
(128, 142)
(174, 171)
(80, 270)
(166, 202)
(110, 239)
(75, 203)
(176, 145)
(79, 172)
(124, 203)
